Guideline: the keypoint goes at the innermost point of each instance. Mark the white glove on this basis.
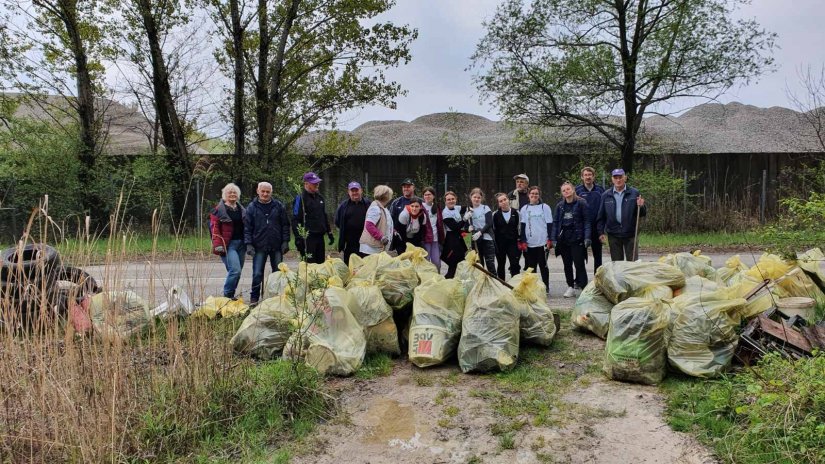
(470, 228)
(476, 236)
(468, 215)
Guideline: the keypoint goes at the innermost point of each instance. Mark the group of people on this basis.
(522, 226)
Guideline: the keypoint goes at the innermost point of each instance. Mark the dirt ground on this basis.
(439, 415)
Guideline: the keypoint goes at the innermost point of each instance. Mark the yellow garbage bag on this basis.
(435, 326)
(592, 311)
(426, 277)
(397, 284)
(733, 266)
(691, 264)
(636, 349)
(117, 315)
(331, 341)
(278, 281)
(266, 329)
(375, 316)
(697, 284)
(536, 319)
(367, 268)
(788, 276)
(703, 337)
(813, 263)
(332, 267)
(222, 305)
(418, 257)
(489, 328)
(466, 273)
(619, 280)
(654, 292)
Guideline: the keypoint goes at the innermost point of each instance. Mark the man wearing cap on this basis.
(592, 193)
(616, 220)
(309, 211)
(349, 219)
(518, 197)
(398, 205)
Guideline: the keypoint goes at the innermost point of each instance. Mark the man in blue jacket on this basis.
(266, 235)
(592, 193)
(616, 221)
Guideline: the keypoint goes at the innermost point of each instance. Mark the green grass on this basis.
(375, 365)
(774, 412)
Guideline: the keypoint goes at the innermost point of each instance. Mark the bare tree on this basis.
(810, 101)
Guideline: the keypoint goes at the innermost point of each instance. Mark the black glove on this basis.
(331, 238)
(385, 240)
(284, 247)
(250, 250)
(300, 246)
(587, 243)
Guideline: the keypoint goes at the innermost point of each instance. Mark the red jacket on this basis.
(220, 224)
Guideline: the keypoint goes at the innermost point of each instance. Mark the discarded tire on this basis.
(30, 261)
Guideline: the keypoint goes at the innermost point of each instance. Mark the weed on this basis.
(423, 379)
(452, 411)
(538, 444)
(375, 365)
(442, 395)
(445, 422)
(507, 441)
(474, 460)
(451, 379)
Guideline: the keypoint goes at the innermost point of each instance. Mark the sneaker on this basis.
(570, 293)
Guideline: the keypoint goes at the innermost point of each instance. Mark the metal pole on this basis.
(367, 181)
(445, 183)
(198, 220)
(763, 196)
(684, 199)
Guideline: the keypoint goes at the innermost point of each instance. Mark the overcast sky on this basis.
(448, 31)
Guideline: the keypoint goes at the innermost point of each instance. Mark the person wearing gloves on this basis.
(398, 205)
(454, 225)
(349, 219)
(266, 234)
(309, 211)
(616, 221)
(414, 222)
(226, 227)
(434, 239)
(505, 228)
(378, 226)
(571, 237)
(536, 229)
(480, 224)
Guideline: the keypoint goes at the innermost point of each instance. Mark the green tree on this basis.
(602, 65)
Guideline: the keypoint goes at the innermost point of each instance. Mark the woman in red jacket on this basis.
(226, 224)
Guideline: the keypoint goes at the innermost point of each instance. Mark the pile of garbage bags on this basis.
(683, 313)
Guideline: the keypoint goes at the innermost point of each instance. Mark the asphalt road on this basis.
(202, 278)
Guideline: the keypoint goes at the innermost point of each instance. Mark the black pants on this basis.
(621, 248)
(596, 246)
(536, 259)
(487, 251)
(451, 268)
(507, 250)
(573, 254)
(314, 248)
(349, 250)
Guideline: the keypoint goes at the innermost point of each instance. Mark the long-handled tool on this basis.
(636, 235)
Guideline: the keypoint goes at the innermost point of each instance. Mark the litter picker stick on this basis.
(480, 268)
(636, 235)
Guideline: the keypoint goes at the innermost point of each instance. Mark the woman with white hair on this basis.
(378, 225)
(226, 225)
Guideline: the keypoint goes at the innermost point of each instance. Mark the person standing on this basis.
(434, 239)
(226, 224)
(398, 205)
(454, 246)
(378, 227)
(519, 196)
(616, 220)
(571, 237)
(349, 219)
(536, 228)
(309, 211)
(414, 223)
(266, 235)
(592, 193)
(480, 218)
(505, 228)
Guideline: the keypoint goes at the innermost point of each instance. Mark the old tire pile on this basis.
(35, 286)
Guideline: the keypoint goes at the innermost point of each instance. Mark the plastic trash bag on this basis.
(636, 349)
(489, 328)
(367, 268)
(787, 275)
(656, 292)
(466, 273)
(536, 319)
(813, 263)
(592, 311)
(118, 315)
(703, 337)
(435, 327)
(619, 280)
(177, 304)
(222, 305)
(375, 316)
(332, 341)
(762, 300)
(418, 257)
(691, 264)
(397, 284)
(733, 266)
(277, 282)
(696, 284)
(266, 329)
(332, 267)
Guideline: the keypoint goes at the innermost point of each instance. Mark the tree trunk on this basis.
(238, 123)
(261, 95)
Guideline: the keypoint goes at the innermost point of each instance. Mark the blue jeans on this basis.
(258, 265)
(233, 261)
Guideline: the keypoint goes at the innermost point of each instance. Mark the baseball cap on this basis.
(407, 181)
(521, 176)
(312, 178)
(353, 185)
(617, 172)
